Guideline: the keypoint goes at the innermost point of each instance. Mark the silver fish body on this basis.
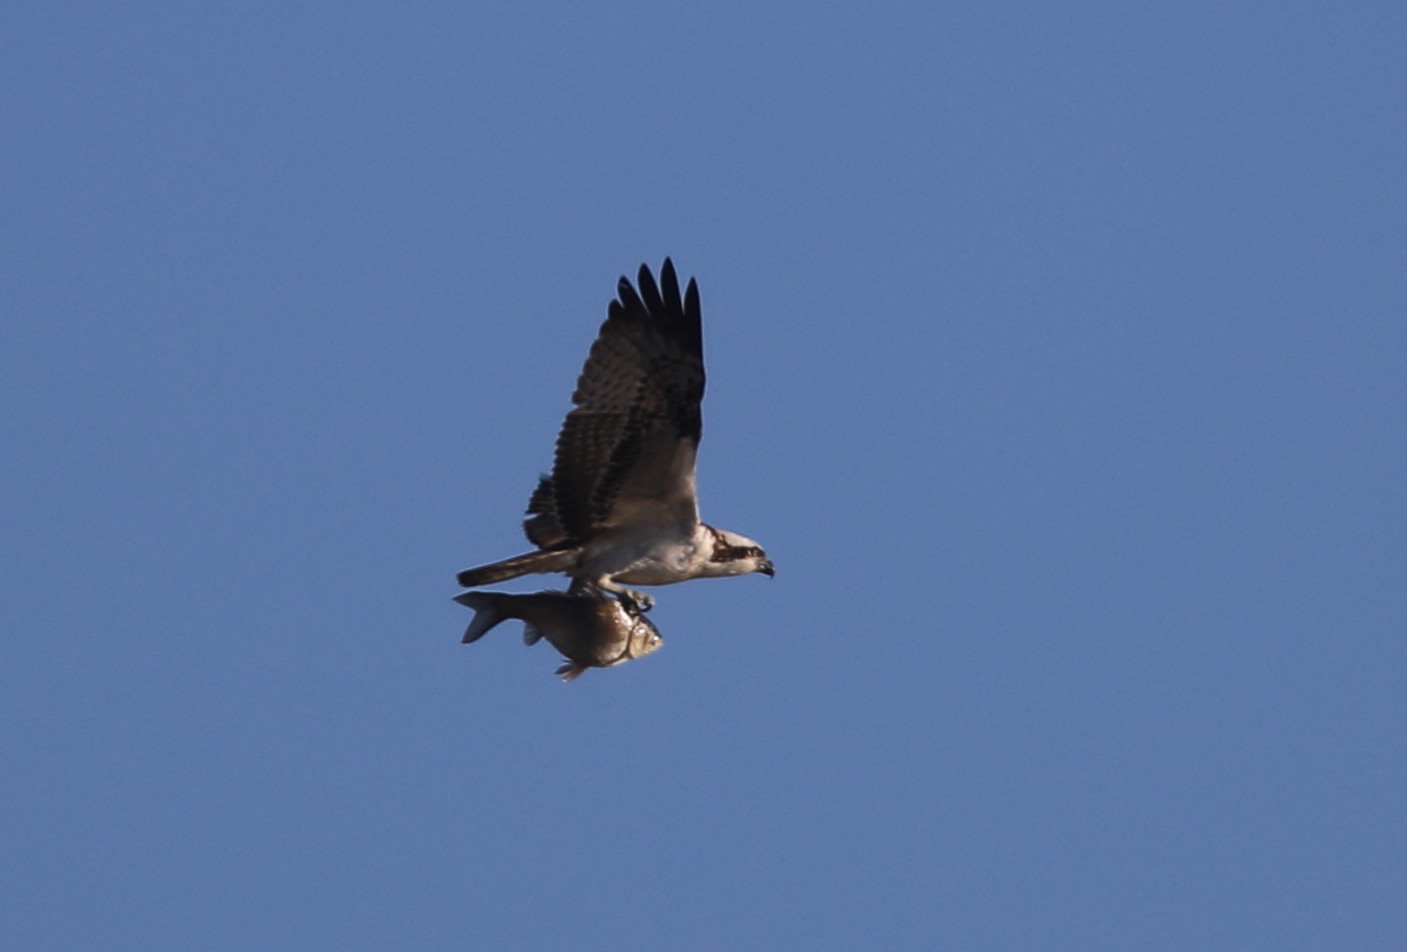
(591, 631)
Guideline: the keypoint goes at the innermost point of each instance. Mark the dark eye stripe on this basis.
(723, 552)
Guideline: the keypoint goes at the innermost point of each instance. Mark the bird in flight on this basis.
(620, 507)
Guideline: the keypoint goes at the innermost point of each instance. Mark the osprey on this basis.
(620, 506)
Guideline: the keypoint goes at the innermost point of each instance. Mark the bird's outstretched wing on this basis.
(626, 450)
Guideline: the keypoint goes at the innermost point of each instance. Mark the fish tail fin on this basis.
(531, 563)
(488, 611)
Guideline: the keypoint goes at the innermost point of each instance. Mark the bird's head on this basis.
(735, 554)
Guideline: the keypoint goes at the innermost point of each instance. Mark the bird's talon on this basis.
(635, 603)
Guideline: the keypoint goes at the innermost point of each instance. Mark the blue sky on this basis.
(1056, 355)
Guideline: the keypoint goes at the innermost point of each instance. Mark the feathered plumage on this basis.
(620, 505)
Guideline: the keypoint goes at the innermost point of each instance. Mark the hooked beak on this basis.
(767, 568)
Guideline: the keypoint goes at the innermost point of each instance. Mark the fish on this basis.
(591, 630)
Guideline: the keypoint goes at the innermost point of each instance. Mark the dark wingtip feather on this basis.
(627, 302)
(693, 315)
(670, 284)
(663, 305)
(650, 291)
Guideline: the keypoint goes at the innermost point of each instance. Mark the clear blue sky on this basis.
(1057, 353)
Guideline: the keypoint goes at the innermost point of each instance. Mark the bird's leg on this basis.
(636, 603)
(584, 587)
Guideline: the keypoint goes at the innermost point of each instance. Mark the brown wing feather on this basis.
(542, 528)
(636, 422)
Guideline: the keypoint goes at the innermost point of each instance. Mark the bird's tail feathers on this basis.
(532, 563)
